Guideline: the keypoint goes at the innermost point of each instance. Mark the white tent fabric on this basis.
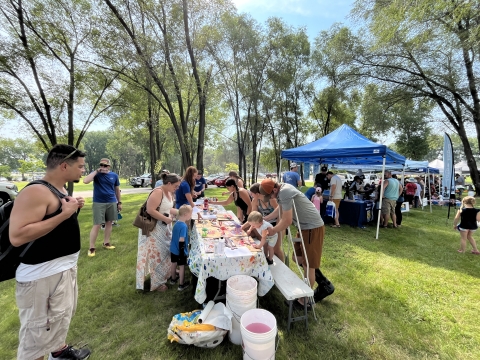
(437, 163)
(462, 167)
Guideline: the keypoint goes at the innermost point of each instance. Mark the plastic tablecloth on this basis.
(205, 265)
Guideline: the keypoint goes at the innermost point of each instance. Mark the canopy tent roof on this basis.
(344, 146)
(411, 166)
(462, 166)
(437, 163)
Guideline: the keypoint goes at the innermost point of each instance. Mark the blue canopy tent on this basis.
(345, 146)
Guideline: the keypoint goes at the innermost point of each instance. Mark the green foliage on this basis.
(231, 167)
(5, 170)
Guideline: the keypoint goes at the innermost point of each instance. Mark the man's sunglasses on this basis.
(104, 165)
(69, 155)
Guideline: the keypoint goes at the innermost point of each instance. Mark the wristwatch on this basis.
(119, 203)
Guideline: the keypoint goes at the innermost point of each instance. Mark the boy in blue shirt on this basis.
(179, 246)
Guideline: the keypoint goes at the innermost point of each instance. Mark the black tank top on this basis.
(469, 218)
(62, 241)
(242, 205)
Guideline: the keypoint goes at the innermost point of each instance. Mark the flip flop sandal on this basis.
(475, 252)
(334, 226)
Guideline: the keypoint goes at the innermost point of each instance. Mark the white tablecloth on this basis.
(205, 265)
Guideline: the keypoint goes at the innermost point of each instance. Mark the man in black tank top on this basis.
(44, 216)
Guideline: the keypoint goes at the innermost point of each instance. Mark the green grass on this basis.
(124, 184)
(408, 295)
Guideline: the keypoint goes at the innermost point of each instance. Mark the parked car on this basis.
(221, 181)
(211, 179)
(271, 175)
(8, 192)
(141, 181)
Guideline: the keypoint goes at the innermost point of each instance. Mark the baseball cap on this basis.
(292, 165)
(324, 168)
(165, 171)
(105, 161)
(266, 187)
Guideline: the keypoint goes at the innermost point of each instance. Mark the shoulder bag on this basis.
(143, 220)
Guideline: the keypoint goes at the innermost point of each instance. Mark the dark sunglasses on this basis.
(69, 155)
(104, 165)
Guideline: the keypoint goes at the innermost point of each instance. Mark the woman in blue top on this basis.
(184, 193)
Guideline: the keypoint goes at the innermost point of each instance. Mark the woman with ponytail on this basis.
(241, 198)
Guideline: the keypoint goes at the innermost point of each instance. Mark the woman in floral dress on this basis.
(154, 250)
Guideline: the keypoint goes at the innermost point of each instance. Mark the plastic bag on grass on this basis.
(202, 328)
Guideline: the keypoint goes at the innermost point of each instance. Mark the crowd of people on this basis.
(266, 210)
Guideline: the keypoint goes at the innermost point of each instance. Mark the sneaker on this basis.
(102, 227)
(172, 281)
(91, 252)
(71, 353)
(108, 246)
(183, 286)
(115, 224)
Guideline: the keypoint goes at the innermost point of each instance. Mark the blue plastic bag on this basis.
(330, 209)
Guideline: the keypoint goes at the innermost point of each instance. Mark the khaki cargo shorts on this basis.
(46, 307)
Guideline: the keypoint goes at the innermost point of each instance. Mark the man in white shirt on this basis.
(335, 194)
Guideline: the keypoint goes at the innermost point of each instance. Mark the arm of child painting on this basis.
(262, 242)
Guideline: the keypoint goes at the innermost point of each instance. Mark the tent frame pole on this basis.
(382, 184)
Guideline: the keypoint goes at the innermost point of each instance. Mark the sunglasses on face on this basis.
(104, 165)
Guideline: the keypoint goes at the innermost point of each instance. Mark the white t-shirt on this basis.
(419, 190)
(338, 189)
(271, 240)
(26, 273)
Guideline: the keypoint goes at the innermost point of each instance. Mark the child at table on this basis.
(466, 219)
(255, 220)
(179, 246)
(317, 198)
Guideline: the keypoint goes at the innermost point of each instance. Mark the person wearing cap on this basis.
(309, 221)
(200, 184)
(159, 178)
(360, 174)
(106, 202)
(321, 179)
(291, 177)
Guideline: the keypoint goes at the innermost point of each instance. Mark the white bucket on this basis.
(238, 309)
(242, 286)
(241, 296)
(258, 345)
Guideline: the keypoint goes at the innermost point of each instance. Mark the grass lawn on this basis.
(124, 184)
(408, 295)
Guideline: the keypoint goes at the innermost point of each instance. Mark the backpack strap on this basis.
(54, 191)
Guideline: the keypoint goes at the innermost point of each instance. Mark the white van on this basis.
(371, 179)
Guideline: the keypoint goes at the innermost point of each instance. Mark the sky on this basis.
(315, 15)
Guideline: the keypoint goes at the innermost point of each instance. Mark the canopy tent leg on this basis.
(381, 197)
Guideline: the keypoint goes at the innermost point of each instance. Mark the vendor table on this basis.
(219, 266)
(356, 213)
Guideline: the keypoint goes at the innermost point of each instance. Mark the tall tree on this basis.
(428, 48)
(42, 81)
